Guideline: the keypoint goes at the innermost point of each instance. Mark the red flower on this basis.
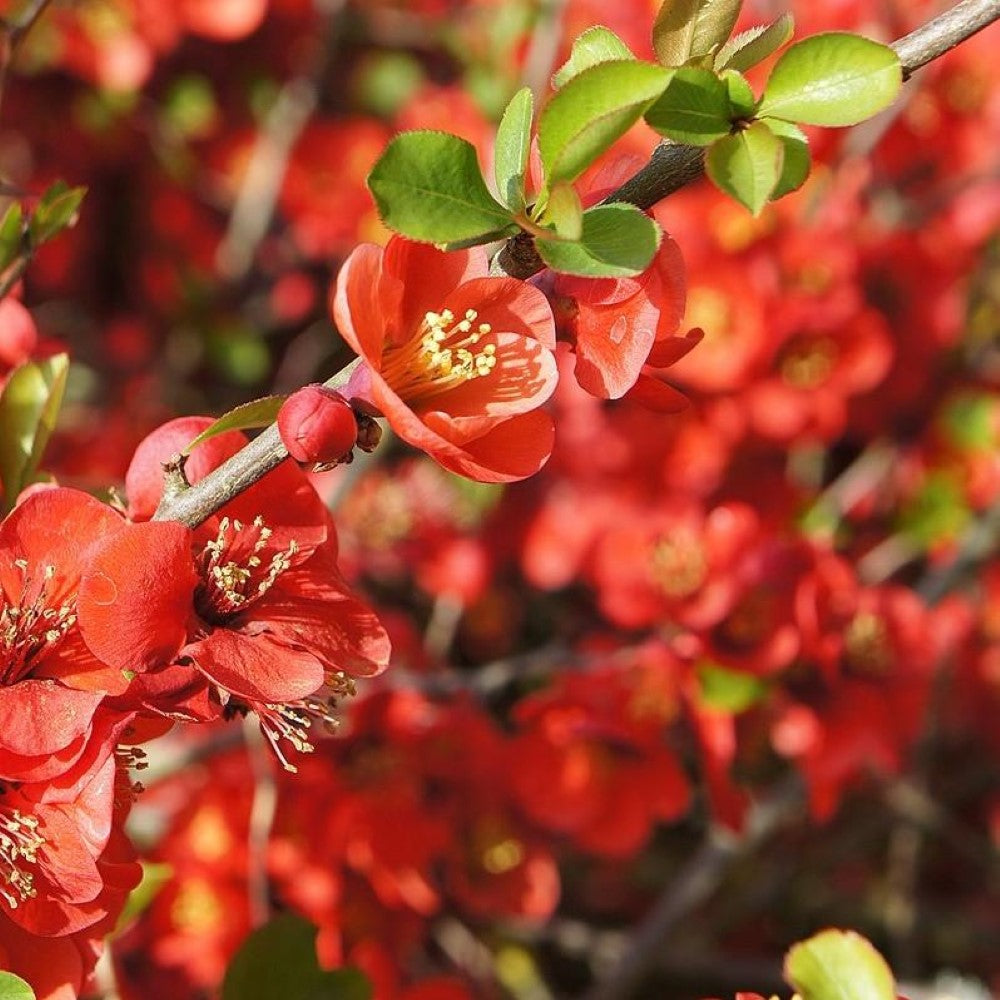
(458, 362)
(251, 602)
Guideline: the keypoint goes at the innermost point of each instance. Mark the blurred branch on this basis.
(262, 812)
(671, 167)
(648, 941)
(13, 32)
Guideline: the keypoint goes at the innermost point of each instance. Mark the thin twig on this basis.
(262, 812)
(671, 167)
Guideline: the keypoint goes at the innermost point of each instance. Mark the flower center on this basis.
(19, 843)
(441, 355)
(29, 626)
(678, 566)
(808, 362)
(866, 645)
(233, 574)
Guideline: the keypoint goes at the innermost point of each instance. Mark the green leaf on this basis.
(427, 186)
(618, 241)
(747, 165)
(11, 236)
(510, 156)
(595, 45)
(256, 413)
(693, 109)
(14, 988)
(29, 405)
(832, 79)
(742, 102)
(754, 45)
(56, 210)
(591, 111)
(689, 29)
(729, 690)
(279, 960)
(796, 162)
(563, 212)
(838, 965)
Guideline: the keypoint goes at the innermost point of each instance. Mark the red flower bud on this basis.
(317, 425)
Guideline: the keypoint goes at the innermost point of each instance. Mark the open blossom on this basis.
(247, 611)
(458, 362)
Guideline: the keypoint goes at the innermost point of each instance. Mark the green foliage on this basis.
(29, 406)
(155, 876)
(595, 45)
(832, 79)
(838, 965)
(747, 165)
(56, 210)
(742, 102)
(563, 212)
(591, 111)
(796, 161)
(513, 144)
(729, 690)
(686, 30)
(617, 241)
(11, 236)
(14, 988)
(427, 186)
(279, 960)
(754, 45)
(256, 413)
(694, 108)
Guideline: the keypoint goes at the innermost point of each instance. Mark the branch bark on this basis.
(671, 167)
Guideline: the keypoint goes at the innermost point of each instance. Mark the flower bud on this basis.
(317, 425)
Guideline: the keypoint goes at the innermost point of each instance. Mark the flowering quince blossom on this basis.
(458, 362)
(248, 611)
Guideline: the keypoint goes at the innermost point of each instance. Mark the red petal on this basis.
(41, 717)
(135, 601)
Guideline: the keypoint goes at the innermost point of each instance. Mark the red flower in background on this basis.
(457, 361)
(251, 602)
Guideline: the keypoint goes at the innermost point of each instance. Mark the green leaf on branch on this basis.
(838, 965)
(832, 79)
(595, 45)
(246, 416)
(729, 690)
(427, 186)
(513, 143)
(29, 406)
(694, 108)
(690, 29)
(594, 109)
(563, 212)
(57, 210)
(742, 102)
(747, 165)
(618, 241)
(796, 162)
(14, 988)
(754, 45)
(11, 236)
(279, 960)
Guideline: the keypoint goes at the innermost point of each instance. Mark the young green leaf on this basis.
(746, 165)
(838, 965)
(56, 210)
(690, 29)
(694, 108)
(510, 156)
(595, 108)
(29, 405)
(595, 45)
(797, 161)
(14, 988)
(742, 102)
(11, 236)
(754, 45)
(832, 79)
(246, 416)
(730, 691)
(617, 241)
(427, 186)
(563, 212)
